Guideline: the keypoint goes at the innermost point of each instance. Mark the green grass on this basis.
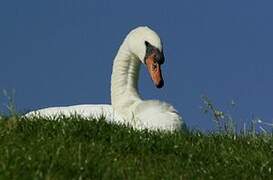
(73, 148)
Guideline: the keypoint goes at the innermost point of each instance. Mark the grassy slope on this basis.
(74, 148)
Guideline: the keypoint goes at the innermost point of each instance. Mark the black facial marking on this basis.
(158, 56)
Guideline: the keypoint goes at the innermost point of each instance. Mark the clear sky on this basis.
(60, 52)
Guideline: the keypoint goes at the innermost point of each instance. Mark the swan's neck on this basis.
(124, 83)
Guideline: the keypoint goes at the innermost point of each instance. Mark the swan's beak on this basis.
(155, 71)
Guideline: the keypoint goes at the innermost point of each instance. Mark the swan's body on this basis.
(127, 106)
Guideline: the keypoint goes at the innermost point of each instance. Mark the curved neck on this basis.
(124, 83)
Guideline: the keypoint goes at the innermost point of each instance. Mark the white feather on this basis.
(86, 111)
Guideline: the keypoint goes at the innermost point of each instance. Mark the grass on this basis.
(73, 148)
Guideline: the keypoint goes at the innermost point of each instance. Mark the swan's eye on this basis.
(154, 65)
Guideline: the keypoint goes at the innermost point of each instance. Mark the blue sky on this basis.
(57, 53)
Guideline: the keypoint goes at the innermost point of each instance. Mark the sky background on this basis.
(56, 53)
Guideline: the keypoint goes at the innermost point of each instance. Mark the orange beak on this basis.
(155, 71)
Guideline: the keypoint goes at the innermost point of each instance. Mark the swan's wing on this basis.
(85, 111)
(153, 114)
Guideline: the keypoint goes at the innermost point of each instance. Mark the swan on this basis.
(141, 46)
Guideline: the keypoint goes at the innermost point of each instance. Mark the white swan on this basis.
(142, 45)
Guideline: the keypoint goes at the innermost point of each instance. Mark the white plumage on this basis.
(127, 106)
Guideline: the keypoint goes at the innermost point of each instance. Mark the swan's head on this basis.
(146, 45)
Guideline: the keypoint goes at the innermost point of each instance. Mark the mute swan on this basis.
(141, 46)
